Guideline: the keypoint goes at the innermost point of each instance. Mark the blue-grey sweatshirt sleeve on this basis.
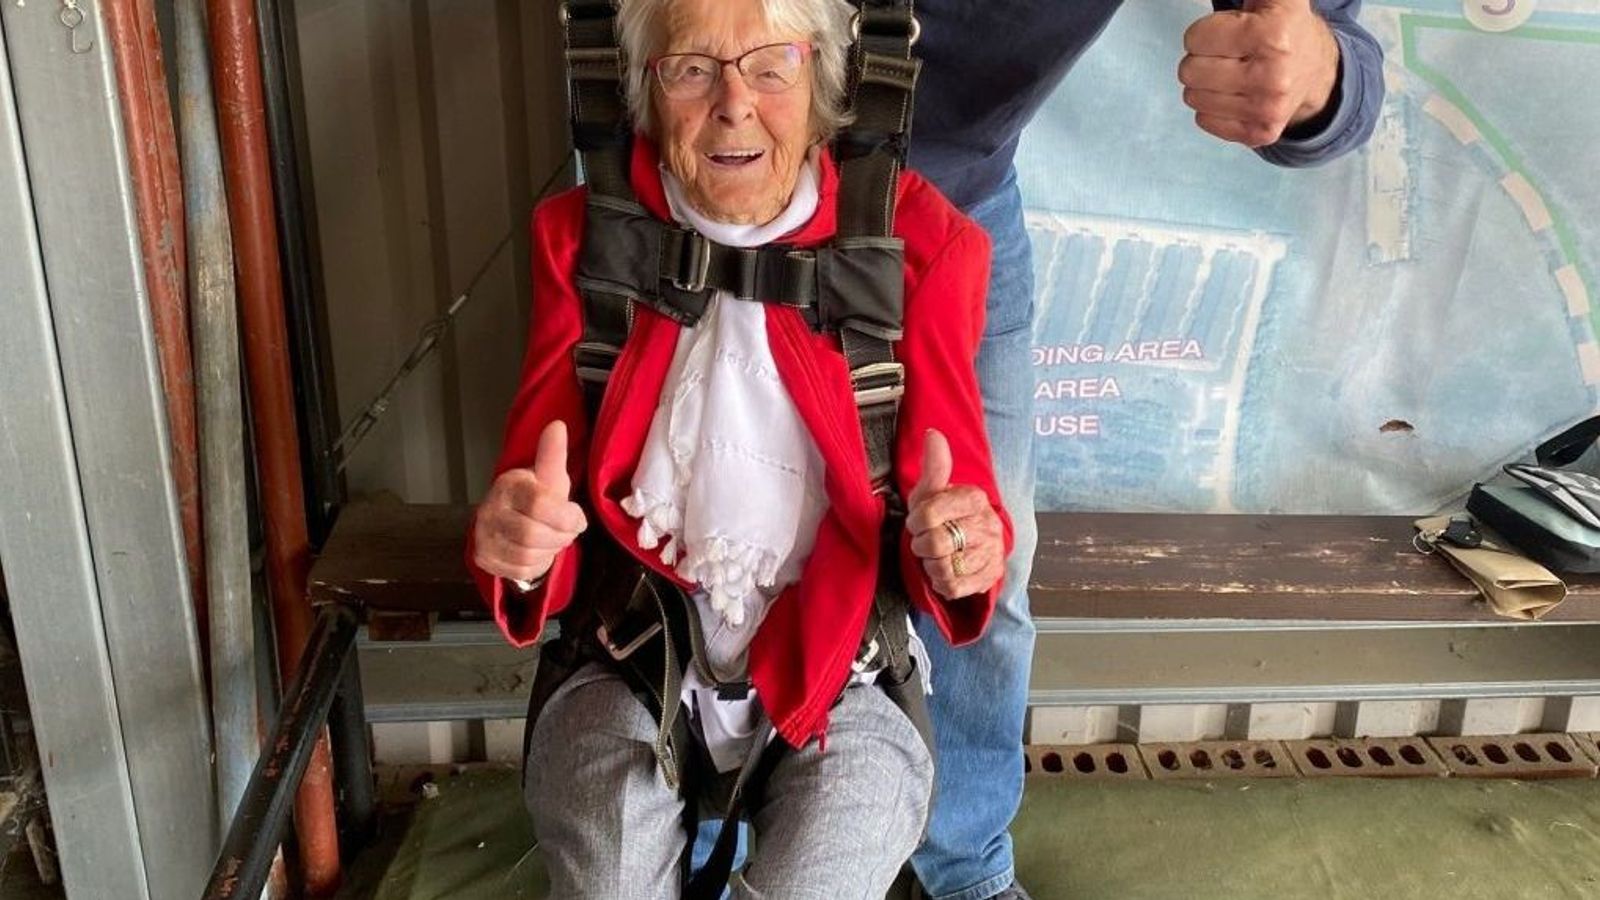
(1357, 97)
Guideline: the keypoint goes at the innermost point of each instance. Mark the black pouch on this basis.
(1552, 513)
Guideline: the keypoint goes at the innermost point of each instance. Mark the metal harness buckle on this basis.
(595, 360)
(595, 63)
(875, 383)
(696, 256)
(626, 650)
(912, 35)
(569, 11)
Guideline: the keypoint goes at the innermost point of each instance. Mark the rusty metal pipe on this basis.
(236, 73)
(307, 323)
(152, 146)
(234, 710)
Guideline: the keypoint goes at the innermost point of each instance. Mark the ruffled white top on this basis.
(729, 487)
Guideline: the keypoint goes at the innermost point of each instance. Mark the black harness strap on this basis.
(630, 257)
(595, 70)
(600, 133)
(854, 286)
(764, 753)
(668, 704)
(871, 152)
(674, 270)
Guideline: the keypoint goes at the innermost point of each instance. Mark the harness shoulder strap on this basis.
(595, 72)
(600, 134)
(872, 149)
(871, 153)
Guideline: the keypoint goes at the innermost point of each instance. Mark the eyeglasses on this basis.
(769, 69)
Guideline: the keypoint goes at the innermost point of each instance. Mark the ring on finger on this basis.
(958, 564)
(957, 536)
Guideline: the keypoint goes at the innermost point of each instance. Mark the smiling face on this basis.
(736, 150)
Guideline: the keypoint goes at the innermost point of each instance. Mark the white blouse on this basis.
(730, 483)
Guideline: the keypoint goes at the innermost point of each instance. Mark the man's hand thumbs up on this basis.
(1251, 74)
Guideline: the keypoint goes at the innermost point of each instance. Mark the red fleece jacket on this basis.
(800, 657)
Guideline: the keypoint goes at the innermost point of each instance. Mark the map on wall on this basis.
(1215, 334)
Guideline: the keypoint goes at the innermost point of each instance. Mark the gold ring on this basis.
(957, 536)
(958, 564)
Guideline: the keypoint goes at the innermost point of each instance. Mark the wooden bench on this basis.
(1130, 609)
(407, 559)
(1325, 568)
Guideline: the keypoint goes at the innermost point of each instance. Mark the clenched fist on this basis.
(1250, 74)
(954, 529)
(528, 515)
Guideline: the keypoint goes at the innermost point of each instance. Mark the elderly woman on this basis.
(727, 459)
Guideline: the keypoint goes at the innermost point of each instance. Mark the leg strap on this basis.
(708, 883)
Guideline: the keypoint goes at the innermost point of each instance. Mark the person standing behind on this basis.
(1300, 82)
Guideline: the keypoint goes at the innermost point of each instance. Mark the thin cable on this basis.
(428, 338)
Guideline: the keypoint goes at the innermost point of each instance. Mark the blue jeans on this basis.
(980, 692)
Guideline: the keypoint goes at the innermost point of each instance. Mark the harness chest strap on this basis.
(852, 283)
(853, 287)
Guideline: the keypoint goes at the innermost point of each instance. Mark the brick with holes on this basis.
(1217, 759)
(1402, 757)
(1119, 762)
(1526, 756)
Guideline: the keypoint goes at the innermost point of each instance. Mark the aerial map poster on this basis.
(1215, 334)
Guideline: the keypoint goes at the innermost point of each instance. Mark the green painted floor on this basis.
(1239, 840)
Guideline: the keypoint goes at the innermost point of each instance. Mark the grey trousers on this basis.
(830, 825)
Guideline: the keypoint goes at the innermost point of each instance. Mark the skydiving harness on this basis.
(624, 614)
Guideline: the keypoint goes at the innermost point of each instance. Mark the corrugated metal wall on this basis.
(429, 123)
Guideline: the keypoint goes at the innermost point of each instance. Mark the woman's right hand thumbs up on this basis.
(528, 515)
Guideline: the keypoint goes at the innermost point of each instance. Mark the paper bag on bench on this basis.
(1515, 586)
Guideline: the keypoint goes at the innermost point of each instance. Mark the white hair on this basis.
(825, 23)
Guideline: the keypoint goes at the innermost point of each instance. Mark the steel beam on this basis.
(1247, 666)
(468, 672)
(73, 151)
(49, 571)
(424, 682)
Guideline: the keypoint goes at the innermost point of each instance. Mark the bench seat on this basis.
(408, 558)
